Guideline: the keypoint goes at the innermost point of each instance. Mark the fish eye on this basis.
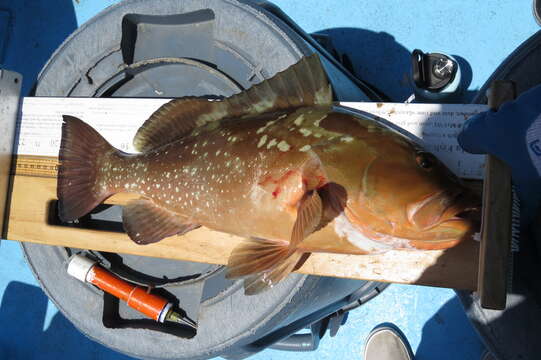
(425, 160)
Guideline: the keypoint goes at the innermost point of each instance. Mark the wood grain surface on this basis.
(34, 190)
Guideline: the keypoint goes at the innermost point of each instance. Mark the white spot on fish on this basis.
(305, 132)
(271, 143)
(346, 138)
(261, 129)
(283, 146)
(305, 148)
(298, 121)
(318, 121)
(262, 141)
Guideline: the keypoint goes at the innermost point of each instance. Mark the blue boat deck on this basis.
(379, 36)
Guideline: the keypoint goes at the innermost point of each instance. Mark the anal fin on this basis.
(146, 223)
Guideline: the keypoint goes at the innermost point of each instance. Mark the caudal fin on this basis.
(263, 263)
(80, 150)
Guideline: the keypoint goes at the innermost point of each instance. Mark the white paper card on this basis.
(118, 119)
(437, 125)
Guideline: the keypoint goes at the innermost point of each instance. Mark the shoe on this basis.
(387, 343)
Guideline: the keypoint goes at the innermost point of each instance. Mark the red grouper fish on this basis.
(277, 164)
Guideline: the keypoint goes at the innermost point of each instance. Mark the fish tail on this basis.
(81, 151)
(263, 263)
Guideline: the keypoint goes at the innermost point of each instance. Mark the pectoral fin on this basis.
(147, 223)
(309, 214)
(334, 198)
(316, 209)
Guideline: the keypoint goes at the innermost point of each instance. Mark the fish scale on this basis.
(227, 174)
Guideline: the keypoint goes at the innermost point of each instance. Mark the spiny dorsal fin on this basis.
(302, 84)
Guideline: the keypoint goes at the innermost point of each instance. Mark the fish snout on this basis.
(459, 206)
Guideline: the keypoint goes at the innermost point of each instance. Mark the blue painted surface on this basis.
(378, 36)
(35, 30)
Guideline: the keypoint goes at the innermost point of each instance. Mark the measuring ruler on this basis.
(434, 126)
(37, 166)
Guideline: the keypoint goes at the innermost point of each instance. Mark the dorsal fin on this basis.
(172, 121)
(302, 84)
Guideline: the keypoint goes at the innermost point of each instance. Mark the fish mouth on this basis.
(467, 221)
(452, 219)
(466, 208)
(460, 210)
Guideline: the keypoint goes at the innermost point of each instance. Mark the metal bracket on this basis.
(10, 90)
(495, 270)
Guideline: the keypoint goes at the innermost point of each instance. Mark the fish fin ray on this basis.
(173, 121)
(80, 149)
(255, 255)
(302, 84)
(334, 200)
(265, 280)
(309, 214)
(146, 222)
(316, 209)
(263, 263)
